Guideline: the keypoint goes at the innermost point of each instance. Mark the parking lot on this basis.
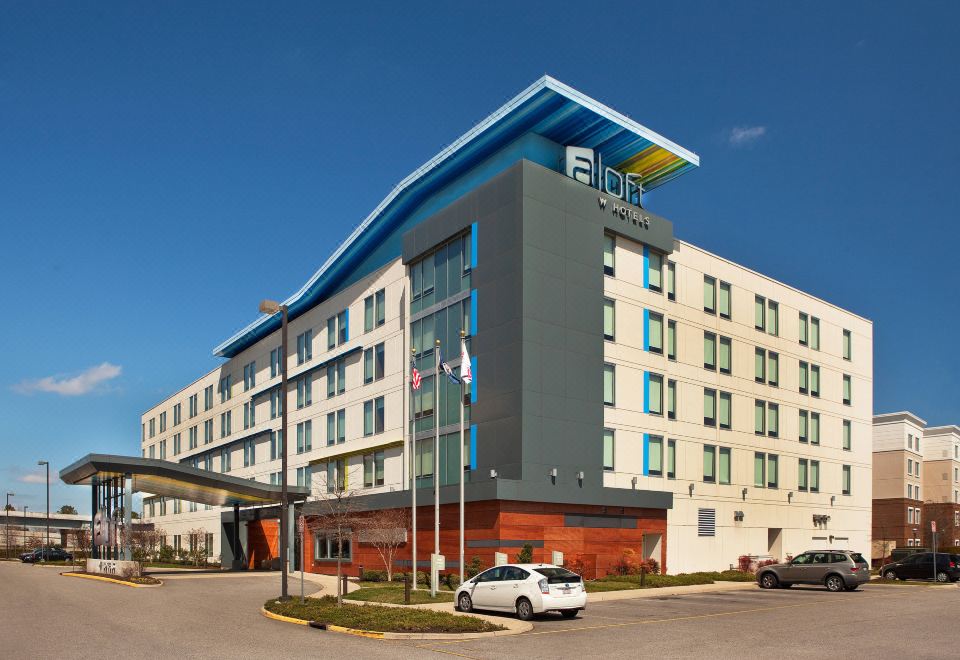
(46, 615)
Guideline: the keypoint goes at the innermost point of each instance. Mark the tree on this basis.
(525, 556)
(9, 507)
(68, 510)
(197, 539)
(386, 530)
(144, 546)
(81, 546)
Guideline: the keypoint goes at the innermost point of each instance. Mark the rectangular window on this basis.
(380, 300)
(726, 355)
(671, 459)
(773, 472)
(163, 450)
(709, 407)
(368, 417)
(804, 377)
(152, 451)
(802, 467)
(804, 424)
(249, 376)
(773, 318)
(341, 376)
(655, 456)
(814, 476)
(368, 314)
(331, 429)
(672, 399)
(760, 365)
(608, 319)
(331, 380)
(177, 414)
(276, 404)
(847, 432)
(671, 340)
(773, 420)
(341, 426)
(163, 422)
(725, 307)
(304, 436)
(846, 480)
(304, 391)
(709, 294)
(194, 408)
(379, 360)
(773, 369)
(760, 470)
(671, 281)
(656, 394)
(608, 440)
(815, 333)
(759, 417)
(609, 385)
(208, 431)
(804, 331)
(725, 465)
(249, 453)
(368, 366)
(655, 339)
(709, 351)
(709, 464)
(275, 355)
(759, 314)
(814, 380)
(305, 347)
(225, 424)
(225, 460)
(726, 410)
(248, 414)
(847, 345)
(225, 389)
(609, 244)
(655, 271)
(847, 389)
(332, 332)
(207, 397)
(153, 426)
(192, 438)
(276, 439)
(814, 428)
(342, 331)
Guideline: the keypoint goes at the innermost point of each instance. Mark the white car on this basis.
(526, 589)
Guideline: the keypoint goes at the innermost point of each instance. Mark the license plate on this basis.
(565, 592)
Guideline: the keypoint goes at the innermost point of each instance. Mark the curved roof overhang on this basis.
(158, 477)
(548, 108)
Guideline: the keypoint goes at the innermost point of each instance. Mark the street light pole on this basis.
(7, 528)
(272, 307)
(24, 527)
(46, 548)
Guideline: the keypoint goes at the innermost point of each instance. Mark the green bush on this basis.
(475, 566)
(423, 578)
(166, 554)
(654, 581)
(452, 580)
(525, 556)
(374, 576)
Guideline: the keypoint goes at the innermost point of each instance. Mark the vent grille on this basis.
(707, 522)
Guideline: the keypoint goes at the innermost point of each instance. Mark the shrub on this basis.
(650, 566)
(525, 556)
(743, 562)
(374, 576)
(767, 562)
(475, 566)
(453, 581)
(423, 578)
(166, 554)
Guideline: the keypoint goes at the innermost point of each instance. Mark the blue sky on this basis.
(148, 154)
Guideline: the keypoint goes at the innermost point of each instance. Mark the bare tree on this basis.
(144, 545)
(81, 546)
(386, 530)
(339, 518)
(197, 539)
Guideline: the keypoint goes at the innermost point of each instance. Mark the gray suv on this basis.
(835, 569)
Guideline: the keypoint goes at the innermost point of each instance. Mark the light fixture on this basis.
(744, 493)
(553, 472)
(580, 476)
(691, 489)
(493, 473)
(832, 499)
(269, 307)
(790, 496)
(633, 482)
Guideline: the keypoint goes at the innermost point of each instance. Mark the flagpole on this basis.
(413, 480)
(462, 347)
(436, 468)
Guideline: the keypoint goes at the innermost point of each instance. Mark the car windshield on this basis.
(558, 575)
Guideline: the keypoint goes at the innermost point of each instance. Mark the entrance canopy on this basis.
(159, 477)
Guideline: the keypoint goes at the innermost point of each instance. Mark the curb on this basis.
(106, 579)
(286, 619)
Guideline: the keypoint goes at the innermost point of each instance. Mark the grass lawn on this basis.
(379, 618)
(382, 592)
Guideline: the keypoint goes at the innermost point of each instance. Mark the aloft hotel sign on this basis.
(586, 166)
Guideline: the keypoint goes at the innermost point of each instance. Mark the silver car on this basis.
(835, 569)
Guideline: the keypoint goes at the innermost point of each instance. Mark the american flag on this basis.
(414, 375)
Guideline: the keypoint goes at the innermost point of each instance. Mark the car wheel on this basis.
(524, 609)
(568, 614)
(769, 580)
(834, 583)
(890, 575)
(464, 604)
(942, 576)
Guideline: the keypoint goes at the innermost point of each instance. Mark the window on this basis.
(153, 426)
(815, 333)
(305, 346)
(847, 345)
(249, 453)
(177, 414)
(276, 404)
(846, 480)
(609, 385)
(304, 436)
(608, 319)
(655, 336)
(342, 332)
(341, 426)
(773, 369)
(225, 460)
(327, 546)
(814, 428)
(759, 417)
(275, 368)
(760, 365)
(814, 476)
(726, 410)
(373, 416)
(760, 470)
(276, 440)
(249, 419)
(773, 318)
(709, 407)
(655, 456)
(709, 464)
(726, 355)
(656, 394)
(804, 377)
(773, 472)
(152, 451)
(655, 270)
(609, 244)
(725, 308)
(804, 329)
(725, 465)
(341, 376)
(192, 406)
(373, 469)
(804, 426)
(847, 387)
(368, 366)
(671, 399)
(803, 467)
(332, 332)
(337, 377)
(380, 300)
(192, 438)
(303, 476)
(368, 314)
(671, 340)
(163, 450)
(773, 420)
(608, 449)
(249, 376)
(304, 391)
(208, 431)
(225, 423)
(814, 380)
(225, 392)
(910, 466)
(709, 351)
(207, 397)
(163, 422)
(759, 313)
(379, 361)
(336, 476)
(709, 294)
(671, 281)
(671, 459)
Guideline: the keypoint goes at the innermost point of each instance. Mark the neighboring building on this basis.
(916, 481)
(20, 530)
(632, 391)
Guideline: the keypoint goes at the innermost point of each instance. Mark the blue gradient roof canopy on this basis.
(548, 108)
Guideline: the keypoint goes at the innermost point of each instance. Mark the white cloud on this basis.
(33, 478)
(83, 383)
(740, 136)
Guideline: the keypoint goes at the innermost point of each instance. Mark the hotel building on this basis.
(631, 391)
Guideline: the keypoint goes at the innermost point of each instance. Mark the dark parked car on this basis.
(919, 566)
(52, 554)
(835, 569)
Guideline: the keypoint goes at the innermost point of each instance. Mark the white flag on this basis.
(466, 371)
